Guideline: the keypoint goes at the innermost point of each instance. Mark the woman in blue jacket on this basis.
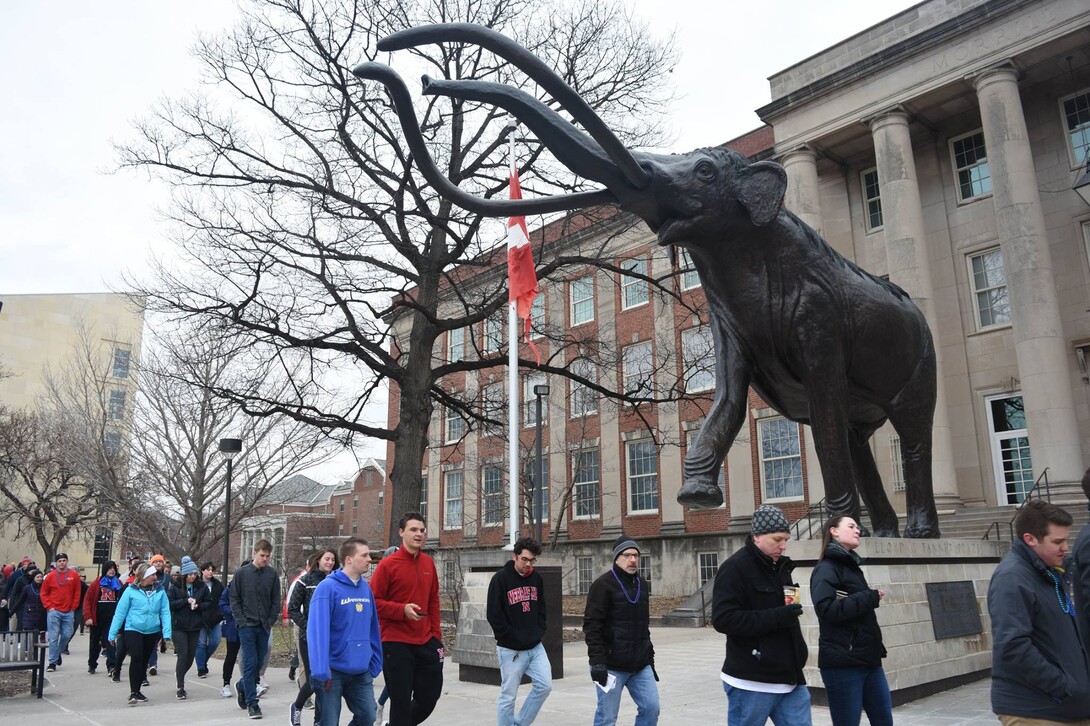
(142, 617)
(230, 634)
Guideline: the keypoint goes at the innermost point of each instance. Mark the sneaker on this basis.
(132, 699)
(153, 671)
(378, 714)
(202, 674)
(115, 676)
(254, 711)
(145, 682)
(182, 695)
(241, 695)
(51, 667)
(141, 697)
(91, 670)
(295, 715)
(226, 690)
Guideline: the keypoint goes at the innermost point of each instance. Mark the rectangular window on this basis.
(896, 463)
(452, 578)
(971, 166)
(112, 443)
(644, 570)
(454, 426)
(492, 493)
(585, 482)
(634, 290)
(584, 574)
(424, 497)
(708, 564)
(638, 368)
(989, 281)
(643, 477)
(492, 327)
(122, 358)
(355, 527)
(342, 505)
(537, 316)
(1076, 113)
(698, 357)
(872, 200)
(494, 406)
(781, 459)
(453, 483)
(583, 400)
(581, 294)
(115, 408)
(355, 502)
(689, 276)
(529, 401)
(340, 530)
(456, 345)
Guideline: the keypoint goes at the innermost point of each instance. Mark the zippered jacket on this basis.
(616, 622)
(849, 632)
(142, 611)
(302, 590)
(343, 628)
(182, 616)
(402, 578)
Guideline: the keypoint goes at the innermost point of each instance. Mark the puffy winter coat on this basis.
(616, 620)
(845, 607)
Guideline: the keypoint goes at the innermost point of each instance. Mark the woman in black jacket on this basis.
(850, 649)
(319, 565)
(189, 601)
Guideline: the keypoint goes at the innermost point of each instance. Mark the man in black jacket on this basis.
(516, 612)
(762, 673)
(616, 628)
(255, 603)
(209, 638)
(1040, 671)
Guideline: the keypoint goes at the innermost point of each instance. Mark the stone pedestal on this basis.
(917, 663)
(475, 647)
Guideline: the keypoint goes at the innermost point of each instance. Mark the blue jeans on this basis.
(358, 691)
(59, 627)
(641, 686)
(855, 689)
(254, 644)
(207, 642)
(753, 708)
(514, 664)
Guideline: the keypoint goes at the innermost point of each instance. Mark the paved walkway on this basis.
(690, 691)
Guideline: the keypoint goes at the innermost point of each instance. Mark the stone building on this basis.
(937, 148)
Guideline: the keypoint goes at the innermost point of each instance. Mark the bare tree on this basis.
(309, 232)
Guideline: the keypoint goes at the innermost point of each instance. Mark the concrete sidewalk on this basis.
(688, 662)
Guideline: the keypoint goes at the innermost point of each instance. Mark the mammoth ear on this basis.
(761, 191)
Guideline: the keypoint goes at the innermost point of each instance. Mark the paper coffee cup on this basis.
(790, 595)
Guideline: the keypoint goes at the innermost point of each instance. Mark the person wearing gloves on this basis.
(98, 612)
(343, 639)
(850, 649)
(189, 602)
(762, 673)
(516, 612)
(142, 618)
(616, 629)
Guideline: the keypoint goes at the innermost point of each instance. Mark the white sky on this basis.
(74, 75)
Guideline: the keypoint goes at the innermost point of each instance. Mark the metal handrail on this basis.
(814, 509)
(998, 532)
(1029, 496)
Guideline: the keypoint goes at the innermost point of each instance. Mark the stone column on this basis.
(802, 195)
(909, 267)
(1031, 289)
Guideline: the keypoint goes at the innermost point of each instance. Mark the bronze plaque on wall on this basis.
(954, 610)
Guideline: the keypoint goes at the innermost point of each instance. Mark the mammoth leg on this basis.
(883, 519)
(912, 415)
(828, 397)
(704, 459)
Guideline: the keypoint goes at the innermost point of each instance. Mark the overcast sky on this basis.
(74, 75)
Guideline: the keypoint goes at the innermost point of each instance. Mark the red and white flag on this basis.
(521, 274)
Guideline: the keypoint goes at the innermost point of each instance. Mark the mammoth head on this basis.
(683, 198)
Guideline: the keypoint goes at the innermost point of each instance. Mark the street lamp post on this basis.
(228, 447)
(541, 391)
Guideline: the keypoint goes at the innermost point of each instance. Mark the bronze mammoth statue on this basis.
(824, 342)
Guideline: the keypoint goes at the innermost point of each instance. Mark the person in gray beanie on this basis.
(755, 604)
(615, 627)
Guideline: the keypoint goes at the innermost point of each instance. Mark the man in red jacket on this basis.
(406, 590)
(60, 597)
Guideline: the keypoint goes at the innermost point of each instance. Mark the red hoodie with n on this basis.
(403, 578)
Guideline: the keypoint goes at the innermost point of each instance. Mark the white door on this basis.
(1011, 461)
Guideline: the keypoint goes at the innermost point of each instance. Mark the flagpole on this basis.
(512, 383)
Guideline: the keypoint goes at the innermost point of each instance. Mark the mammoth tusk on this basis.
(487, 207)
(509, 50)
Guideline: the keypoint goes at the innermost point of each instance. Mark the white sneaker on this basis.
(378, 715)
(226, 691)
(262, 688)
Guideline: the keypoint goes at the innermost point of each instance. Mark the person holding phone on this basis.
(406, 590)
(850, 649)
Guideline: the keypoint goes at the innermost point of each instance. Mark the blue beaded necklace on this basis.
(638, 587)
(1062, 597)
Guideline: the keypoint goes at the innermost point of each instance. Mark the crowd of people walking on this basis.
(351, 625)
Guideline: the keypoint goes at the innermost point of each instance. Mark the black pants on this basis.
(100, 641)
(305, 689)
(185, 646)
(414, 675)
(229, 658)
(140, 647)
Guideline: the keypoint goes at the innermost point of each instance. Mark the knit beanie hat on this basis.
(189, 567)
(175, 571)
(623, 543)
(768, 519)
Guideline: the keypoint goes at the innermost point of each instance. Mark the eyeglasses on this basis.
(633, 555)
(527, 560)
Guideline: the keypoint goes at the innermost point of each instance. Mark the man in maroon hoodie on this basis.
(60, 597)
(406, 590)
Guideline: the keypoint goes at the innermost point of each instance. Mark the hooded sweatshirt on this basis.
(516, 609)
(342, 628)
(400, 579)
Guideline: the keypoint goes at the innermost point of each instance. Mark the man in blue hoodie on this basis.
(343, 635)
